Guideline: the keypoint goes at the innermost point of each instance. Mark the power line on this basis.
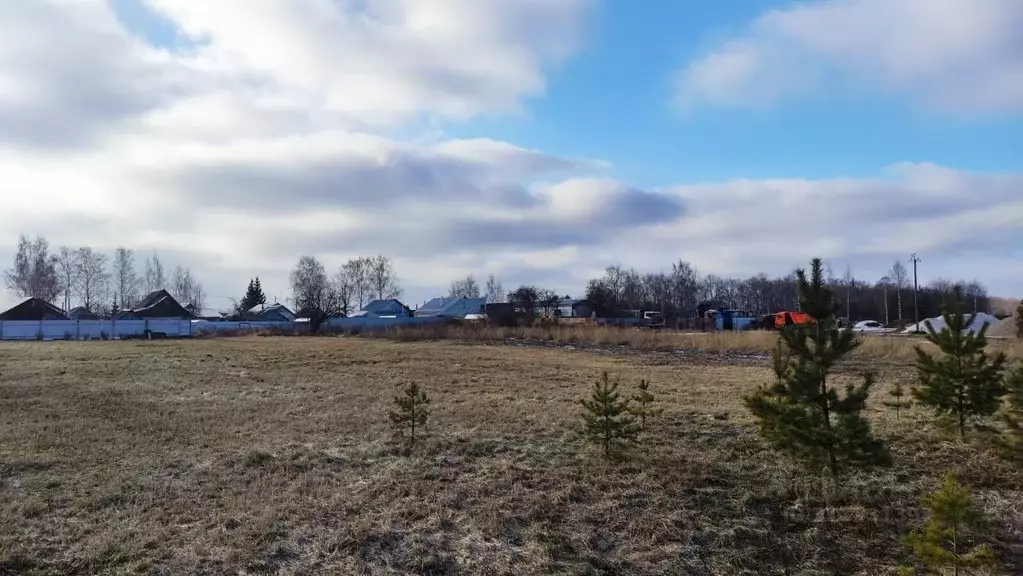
(916, 301)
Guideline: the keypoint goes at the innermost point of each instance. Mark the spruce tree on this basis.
(964, 383)
(253, 296)
(799, 411)
(412, 409)
(1010, 442)
(644, 404)
(943, 542)
(607, 417)
(1019, 319)
(898, 394)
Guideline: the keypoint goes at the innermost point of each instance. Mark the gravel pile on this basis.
(1004, 327)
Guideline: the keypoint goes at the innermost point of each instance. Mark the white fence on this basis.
(175, 328)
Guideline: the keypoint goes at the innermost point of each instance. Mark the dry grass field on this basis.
(274, 456)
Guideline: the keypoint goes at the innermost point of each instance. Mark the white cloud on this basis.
(958, 55)
(264, 142)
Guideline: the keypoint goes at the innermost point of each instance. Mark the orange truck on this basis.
(783, 318)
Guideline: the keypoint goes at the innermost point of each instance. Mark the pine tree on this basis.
(799, 411)
(1010, 442)
(413, 409)
(607, 418)
(644, 404)
(942, 543)
(897, 393)
(253, 296)
(114, 309)
(965, 383)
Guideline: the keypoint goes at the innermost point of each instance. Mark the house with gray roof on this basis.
(451, 307)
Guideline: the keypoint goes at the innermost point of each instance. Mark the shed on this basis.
(34, 309)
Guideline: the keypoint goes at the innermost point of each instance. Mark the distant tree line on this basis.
(83, 277)
(677, 293)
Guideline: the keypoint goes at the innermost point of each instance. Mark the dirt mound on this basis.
(1005, 327)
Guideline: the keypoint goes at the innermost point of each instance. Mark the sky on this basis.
(536, 140)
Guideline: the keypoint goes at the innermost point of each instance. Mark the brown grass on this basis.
(891, 348)
(273, 455)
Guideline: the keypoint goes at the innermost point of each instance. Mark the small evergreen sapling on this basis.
(1010, 442)
(644, 404)
(964, 383)
(898, 401)
(800, 412)
(943, 541)
(412, 409)
(607, 417)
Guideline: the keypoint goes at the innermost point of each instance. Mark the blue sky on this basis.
(537, 141)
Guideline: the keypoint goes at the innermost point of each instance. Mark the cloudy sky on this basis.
(539, 140)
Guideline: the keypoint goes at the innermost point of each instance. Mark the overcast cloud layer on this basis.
(294, 131)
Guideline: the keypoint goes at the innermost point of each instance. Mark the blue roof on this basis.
(452, 306)
(385, 307)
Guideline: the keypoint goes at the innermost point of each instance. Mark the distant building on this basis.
(34, 309)
(384, 308)
(272, 313)
(82, 313)
(574, 308)
(451, 307)
(159, 304)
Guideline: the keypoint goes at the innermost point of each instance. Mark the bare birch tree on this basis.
(126, 280)
(93, 286)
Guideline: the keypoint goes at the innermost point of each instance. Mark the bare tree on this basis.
(313, 293)
(885, 282)
(345, 283)
(67, 266)
(383, 280)
(154, 276)
(93, 287)
(900, 277)
(548, 301)
(494, 291)
(126, 280)
(464, 288)
(356, 272)
(187, 290)
(34, 274)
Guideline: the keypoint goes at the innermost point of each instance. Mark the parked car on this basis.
(870, 327)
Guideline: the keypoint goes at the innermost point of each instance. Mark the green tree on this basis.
(644, 404)
(799, 411)
(1019, 319)
(254, 296)
(412, 409)
(898, 401)
(607, 417)
(1010, 442)
(943, 541)
(964, 383)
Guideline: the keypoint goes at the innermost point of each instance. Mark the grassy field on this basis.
(274, 455)
(891, 348)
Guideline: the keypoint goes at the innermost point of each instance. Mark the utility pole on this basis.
(916, 302)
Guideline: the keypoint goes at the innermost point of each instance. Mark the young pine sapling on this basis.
(800, 412)
(607, 416)
(964, 383)
(412, 409)
(898, 401)
(644, 404)
(942, 543)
